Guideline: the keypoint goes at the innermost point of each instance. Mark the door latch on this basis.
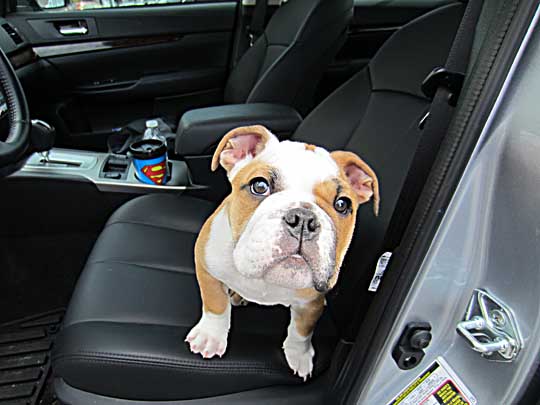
(490, 327)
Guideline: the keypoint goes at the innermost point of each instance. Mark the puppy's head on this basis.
(292, 208)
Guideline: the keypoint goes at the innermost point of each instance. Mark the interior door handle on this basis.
(79, 28)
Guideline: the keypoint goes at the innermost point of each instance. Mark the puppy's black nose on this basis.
(302, 223)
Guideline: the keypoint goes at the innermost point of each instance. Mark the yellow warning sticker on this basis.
(437, 385)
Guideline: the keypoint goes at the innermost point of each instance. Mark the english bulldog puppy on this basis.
(280, 236)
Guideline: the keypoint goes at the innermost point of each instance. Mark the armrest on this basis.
(200, 130)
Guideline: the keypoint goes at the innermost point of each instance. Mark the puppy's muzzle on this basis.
(302, 224)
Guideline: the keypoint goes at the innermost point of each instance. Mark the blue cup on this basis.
(149, 158)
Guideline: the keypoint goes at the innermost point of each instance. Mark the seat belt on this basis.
(443, 85)
(258, 21)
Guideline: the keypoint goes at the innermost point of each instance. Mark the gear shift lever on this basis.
(42, 138)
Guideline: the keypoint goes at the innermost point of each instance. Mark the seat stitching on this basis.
(150, 226)
(139, 323)
(167, 269)
(224, 365)
(277, 44)
(400, 92)
(206, 366)
(151, 358)
(205, 369)
(126, 322)
(357, 124)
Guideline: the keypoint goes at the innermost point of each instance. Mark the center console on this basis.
(109, 172)
(143, 169)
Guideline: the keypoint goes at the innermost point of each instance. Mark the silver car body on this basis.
(489, 238)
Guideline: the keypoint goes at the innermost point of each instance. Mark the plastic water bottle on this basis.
(152, 131)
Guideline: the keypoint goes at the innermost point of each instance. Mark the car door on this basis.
(105, 63)
(467, 330)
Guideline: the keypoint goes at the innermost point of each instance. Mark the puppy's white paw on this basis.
(209, 336)
(299, 356)
(206, 343)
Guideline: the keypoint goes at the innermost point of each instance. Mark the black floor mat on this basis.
(38, 272)
(25, 359)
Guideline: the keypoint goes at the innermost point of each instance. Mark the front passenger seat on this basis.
(138, 297)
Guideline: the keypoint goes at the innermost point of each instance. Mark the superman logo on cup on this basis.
(155, 172)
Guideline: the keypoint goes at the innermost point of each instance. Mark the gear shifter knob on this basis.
(42, 136)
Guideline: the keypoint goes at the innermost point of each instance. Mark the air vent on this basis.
(12, 33)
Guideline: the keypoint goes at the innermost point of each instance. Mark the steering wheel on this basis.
(18, 138)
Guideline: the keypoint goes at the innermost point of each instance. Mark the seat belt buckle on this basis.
(440, 77)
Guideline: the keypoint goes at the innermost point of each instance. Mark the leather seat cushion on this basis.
(136, 300)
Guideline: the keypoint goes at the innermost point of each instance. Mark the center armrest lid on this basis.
(200, 130)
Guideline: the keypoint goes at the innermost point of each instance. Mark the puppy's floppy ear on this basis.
(239, 144)
(360, 176)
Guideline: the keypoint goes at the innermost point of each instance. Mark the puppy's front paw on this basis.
(206, 343)
(209, 336)
(299, 356)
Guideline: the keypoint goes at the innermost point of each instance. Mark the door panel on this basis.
(125, 22)
(129, 63)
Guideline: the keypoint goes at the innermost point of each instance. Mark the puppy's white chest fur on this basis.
(220, 264)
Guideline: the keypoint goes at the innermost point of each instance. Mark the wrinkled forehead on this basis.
(299, 166)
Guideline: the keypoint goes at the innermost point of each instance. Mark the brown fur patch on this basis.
(241, 204)
(325, 195)
(310, 147)
(344, 159)
(307, 294)
(213, 295)
(306, 316)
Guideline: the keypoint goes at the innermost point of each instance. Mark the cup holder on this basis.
(115, 167)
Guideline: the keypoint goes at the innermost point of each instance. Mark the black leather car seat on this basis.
(137, 297)
(285, 63)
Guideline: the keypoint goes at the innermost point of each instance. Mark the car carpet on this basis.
(25, 360)
(38, 272)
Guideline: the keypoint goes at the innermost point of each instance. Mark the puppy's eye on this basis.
(342, 205)
(259, 186)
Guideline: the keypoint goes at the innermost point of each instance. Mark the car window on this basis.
(80, 5)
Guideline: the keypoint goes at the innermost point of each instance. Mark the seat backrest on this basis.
(288, 59)
(376, 115)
